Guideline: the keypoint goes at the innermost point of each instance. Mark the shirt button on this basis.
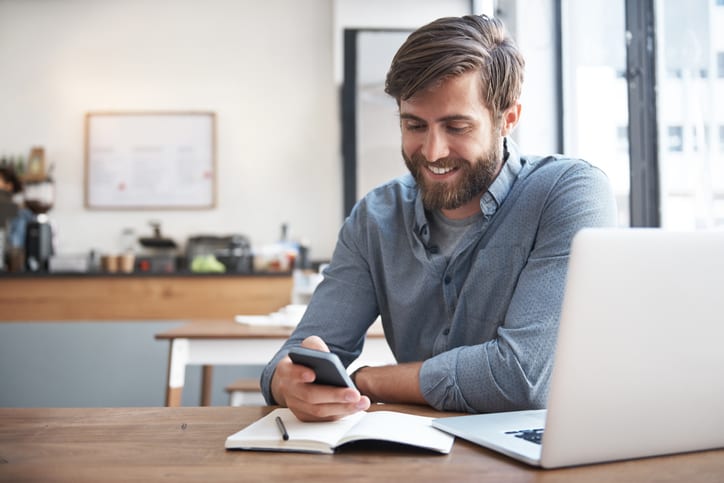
(446, 332)
(447, 279)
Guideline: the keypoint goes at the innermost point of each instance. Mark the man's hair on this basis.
(452, 46)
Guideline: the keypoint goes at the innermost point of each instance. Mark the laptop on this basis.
(639, 363)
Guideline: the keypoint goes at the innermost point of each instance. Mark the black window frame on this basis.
(645, 200)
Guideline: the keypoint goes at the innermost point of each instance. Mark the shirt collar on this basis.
(499, 189)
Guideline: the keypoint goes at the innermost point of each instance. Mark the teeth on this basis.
(440, 169)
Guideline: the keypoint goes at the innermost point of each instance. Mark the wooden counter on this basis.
(140, 297)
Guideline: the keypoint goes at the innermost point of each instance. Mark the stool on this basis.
(245, 392)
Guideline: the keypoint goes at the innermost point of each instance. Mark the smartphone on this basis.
(326, 365)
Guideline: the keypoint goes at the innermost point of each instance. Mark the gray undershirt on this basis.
(446, 233)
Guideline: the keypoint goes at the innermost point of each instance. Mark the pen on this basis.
(282, 428)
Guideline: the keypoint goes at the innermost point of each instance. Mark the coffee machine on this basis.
(38, 244)
(39, 197)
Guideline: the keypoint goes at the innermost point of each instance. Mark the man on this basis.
(465, 258)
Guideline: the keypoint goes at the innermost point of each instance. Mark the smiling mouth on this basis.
(441, 169)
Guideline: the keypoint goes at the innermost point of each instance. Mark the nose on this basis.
(435, 146)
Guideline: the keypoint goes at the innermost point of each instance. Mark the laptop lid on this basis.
(638, 366)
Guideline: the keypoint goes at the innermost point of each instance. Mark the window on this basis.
(675, 143)
(690, 39)
(622, 140)
(595, 109)
(679, 170)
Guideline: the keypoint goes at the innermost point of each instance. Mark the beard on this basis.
(473, 179)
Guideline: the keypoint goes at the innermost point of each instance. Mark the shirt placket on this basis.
(451, 283)
(450, 298)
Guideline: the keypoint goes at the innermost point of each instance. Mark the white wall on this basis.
(265, 68)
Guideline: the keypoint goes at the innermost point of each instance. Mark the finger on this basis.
(322, 394)
(286, 376)
(314, 402)
(326, 412)
(295, 373)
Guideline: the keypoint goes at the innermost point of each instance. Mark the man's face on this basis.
(450, 145)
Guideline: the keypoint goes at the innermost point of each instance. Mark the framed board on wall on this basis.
(150, 160)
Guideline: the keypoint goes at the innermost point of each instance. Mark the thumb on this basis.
(315, 342)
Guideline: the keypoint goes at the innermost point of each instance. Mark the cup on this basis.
(109, 263)
(126, 262)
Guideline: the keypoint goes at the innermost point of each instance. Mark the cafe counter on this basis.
(136, 297)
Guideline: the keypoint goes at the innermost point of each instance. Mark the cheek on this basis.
(410, 145)
(480, 145)
(465, 149)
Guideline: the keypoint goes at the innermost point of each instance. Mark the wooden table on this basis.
(187, 444)
(218, 342)
(120, 297)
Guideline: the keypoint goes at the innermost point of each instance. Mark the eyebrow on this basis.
(453, 117)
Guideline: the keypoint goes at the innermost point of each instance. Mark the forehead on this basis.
(454, 96)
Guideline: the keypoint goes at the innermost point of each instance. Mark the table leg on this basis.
(173, 396)
(177, 359)
(207, 373)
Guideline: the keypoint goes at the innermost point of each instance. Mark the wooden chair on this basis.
(245, 392)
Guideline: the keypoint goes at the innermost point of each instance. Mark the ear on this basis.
(510, 119)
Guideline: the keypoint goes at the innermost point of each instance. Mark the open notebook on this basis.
(639, 364)
(325, 437)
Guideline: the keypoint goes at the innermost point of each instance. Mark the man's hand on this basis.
(292, 386)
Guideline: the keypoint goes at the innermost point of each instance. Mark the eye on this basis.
(413, 126)
(458, 128)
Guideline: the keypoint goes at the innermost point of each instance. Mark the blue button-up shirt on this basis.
(484, 322)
